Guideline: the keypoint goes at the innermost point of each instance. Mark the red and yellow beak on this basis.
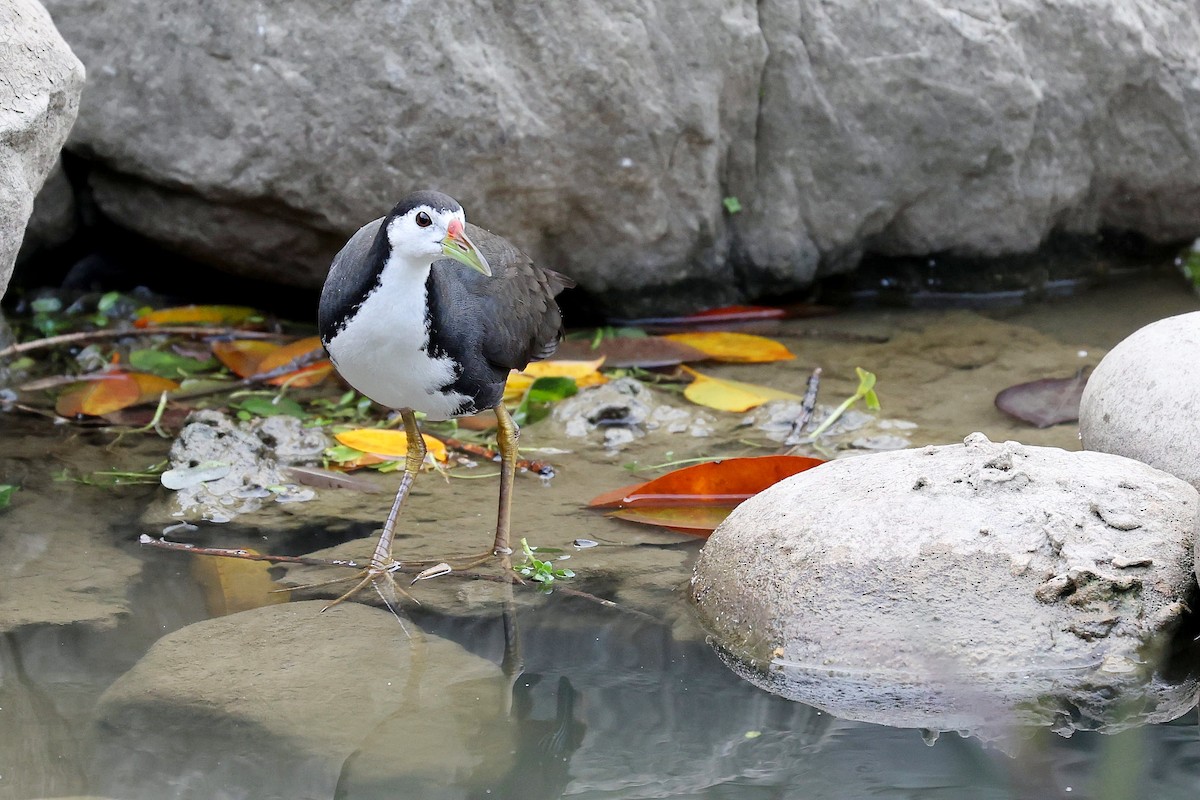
(456, 245)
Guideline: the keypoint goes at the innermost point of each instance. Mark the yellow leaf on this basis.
(585, 373)
(232, 584)
(389, 444)
(197, 315)
(741, 348)
(727, 395)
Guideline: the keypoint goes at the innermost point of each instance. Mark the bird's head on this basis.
(431, 224)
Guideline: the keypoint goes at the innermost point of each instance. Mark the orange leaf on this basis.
(111, 392)
(243, 356)
(290, 352)
(150, 387)
(743, 348)
(389, 444)
(306, 376)
(197, 315)
(103, 395)
(694, 520)
(727, 482)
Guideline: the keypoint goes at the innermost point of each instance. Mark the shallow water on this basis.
(119, 679)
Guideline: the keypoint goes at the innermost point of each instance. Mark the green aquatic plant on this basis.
(539, 571)
(865, 392)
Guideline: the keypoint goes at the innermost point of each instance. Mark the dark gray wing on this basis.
(494, 324)
(352, 275)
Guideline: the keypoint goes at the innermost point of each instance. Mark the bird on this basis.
(424, 312)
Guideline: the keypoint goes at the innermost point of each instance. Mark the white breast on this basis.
(381, 351)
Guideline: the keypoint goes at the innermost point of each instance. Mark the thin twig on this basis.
(542, 468)
(807, 407)
(107, 333)
(246, 555)
(225, 552)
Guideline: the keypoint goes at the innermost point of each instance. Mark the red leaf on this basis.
(727, 482)
(694, 520)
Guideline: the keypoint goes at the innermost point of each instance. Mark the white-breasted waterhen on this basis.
(425, 312)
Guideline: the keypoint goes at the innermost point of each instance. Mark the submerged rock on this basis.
(221, 468)
(971, 568)
(620, 411)
(1143, 399)
(284, 698)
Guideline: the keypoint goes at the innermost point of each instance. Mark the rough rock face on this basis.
(1143, 400)
(959, 562)
(603, 137)
(40, 83)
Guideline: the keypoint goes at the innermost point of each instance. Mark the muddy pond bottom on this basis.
(129, 673)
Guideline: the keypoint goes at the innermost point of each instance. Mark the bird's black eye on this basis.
(423, 219)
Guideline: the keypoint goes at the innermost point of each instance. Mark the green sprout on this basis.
(865, 391)
(539, 571)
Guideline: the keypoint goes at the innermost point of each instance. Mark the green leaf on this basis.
(46, 305)
(108, 301)
(168, 365)
(550, 389)
(269, 406)
(7, 491)
(541, 393)
(732, 205)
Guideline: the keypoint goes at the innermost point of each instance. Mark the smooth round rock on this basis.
(956, 560)
(1143, 400)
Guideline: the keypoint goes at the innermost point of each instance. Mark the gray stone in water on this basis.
(1143, 400)
(971, 569)
(40, 84)
(623, 411)
(313, 695)
(222, 468)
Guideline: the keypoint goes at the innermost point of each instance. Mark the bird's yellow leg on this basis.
(507, 434)
(382, 563)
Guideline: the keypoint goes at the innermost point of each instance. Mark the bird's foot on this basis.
(379, 576)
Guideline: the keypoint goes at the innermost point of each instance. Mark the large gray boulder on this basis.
(604, 137)
(973, 581)
(1143, 399)
(40, 84)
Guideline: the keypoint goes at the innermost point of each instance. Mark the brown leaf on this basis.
(1046, 402)
(646, 352)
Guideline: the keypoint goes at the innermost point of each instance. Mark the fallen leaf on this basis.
(742, 348)
(388, 444)
(166, 364)
(1046, 402)
(242, 356)
(729, 481)
(233, 584)
(583, 373)
(197, 315)
(329, 479)
(111, 392)
(269, 406)
(305, 377)
(729, 395)
(694, 520)
(620, 352)
(699, 497)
